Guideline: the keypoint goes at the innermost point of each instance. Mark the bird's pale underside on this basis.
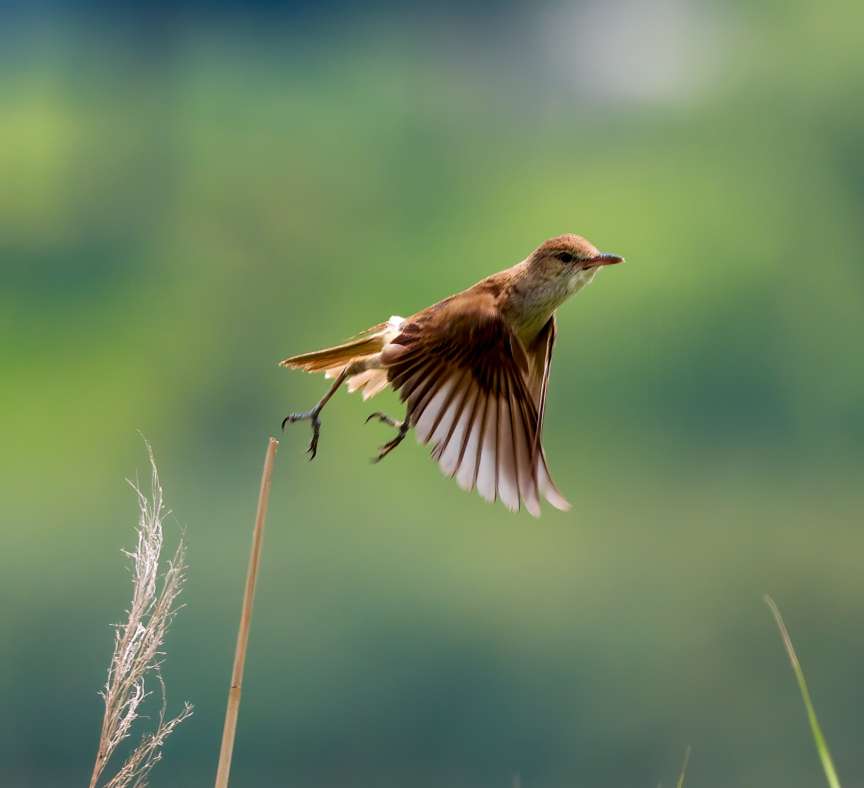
(473, 372)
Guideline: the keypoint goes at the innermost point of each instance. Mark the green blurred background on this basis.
(191, 193)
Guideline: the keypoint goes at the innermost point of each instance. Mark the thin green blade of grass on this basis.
(680, 783)
(816, 730)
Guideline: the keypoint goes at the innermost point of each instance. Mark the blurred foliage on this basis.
(187, 200)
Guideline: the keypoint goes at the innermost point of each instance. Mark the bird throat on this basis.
(531, 303)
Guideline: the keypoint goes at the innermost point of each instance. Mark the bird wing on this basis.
(465, 379)
(540, 354)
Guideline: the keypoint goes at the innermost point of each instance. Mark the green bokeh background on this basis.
(189, 197)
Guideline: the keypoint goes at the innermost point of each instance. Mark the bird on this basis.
(472, 371)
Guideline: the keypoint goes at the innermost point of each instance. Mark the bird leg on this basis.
(353, 368)
(403, 427)
(313, 413)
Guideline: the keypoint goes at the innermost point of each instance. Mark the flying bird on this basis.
(473, 372)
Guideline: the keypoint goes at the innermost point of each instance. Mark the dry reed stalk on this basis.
(137, 644)
(233, 707)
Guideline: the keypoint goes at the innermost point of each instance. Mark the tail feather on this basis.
(332, 361)
(370, 341)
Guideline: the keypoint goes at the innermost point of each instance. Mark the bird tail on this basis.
(364, 344)
(332, 360)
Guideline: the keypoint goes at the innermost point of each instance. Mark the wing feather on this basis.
(487, 471)
(434, 407)
(476, 396)
(508, 482)
(521, 431)
(449, 450)
(449, 416)
(470, 463)
(541, 357)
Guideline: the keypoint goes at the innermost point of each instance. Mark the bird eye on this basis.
(565, 257)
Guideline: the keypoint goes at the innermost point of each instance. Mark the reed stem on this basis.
(234, 691)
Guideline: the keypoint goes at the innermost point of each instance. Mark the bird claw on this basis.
(402, 426)
(312, 416)
(384, 450)
(383, 417)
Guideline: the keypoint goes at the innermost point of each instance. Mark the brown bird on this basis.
(473, 372)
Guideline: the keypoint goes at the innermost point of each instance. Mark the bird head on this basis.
(566, 256)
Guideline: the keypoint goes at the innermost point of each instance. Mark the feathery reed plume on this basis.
(137, 644)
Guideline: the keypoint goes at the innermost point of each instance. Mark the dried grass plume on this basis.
(135, 663)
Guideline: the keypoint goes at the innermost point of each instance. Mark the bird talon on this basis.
(316, 432)
(384, 418)
(383, 451)
(312, 415)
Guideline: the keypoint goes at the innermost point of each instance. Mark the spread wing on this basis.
(540, 355)
(470, 393)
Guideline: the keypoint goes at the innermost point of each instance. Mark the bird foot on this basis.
(383, 417)
(312, 416)
(402, 426)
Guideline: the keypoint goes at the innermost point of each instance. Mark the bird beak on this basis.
(604, 258)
